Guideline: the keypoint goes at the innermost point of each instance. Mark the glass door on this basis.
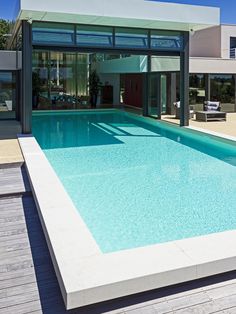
(163, 93)
(153, 94)
(7, 94)
(157, 94)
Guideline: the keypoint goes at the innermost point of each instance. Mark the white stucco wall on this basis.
(227, 31)
(212, 65)
(133, 64)
(206, 43)
(134, 13)
(165, 64)
(8, 60)
(213, 42)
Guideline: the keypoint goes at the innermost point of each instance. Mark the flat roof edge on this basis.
(147, 14)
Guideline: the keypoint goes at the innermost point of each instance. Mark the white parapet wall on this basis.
(132, 13)
(10, 60)
(212, 65)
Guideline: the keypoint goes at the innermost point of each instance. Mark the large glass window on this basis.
(166, 40)
(105, 36)
(233, 47)
(60, 79)
(94, 36)
(53, 33)
(131, 38)
(7, 94)
(197, 90)
(163, 89)
(223, 90)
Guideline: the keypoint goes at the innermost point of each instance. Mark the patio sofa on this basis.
(211, 112)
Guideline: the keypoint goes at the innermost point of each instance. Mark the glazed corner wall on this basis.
(206, 43)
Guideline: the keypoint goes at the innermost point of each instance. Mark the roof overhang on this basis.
(132, 13)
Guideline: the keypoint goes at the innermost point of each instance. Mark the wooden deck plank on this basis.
(13, 181)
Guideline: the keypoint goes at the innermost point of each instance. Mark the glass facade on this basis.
(94, 36)
(130, 38)
(7, 93)
(197, 90)
(52, 33)
(223, 90)
(59, 79)
(105, 36)
(166, 40)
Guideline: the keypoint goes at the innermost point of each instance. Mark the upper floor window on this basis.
(232, 53)
(131, 38)
(92, 36)
(98, 36)
(166, 40)
(53, 33)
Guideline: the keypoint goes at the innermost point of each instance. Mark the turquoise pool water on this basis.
(137, 182)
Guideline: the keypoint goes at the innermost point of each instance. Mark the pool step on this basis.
(14, 181)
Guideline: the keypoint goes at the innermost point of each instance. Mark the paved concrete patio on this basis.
(227, 127)
(10, 151)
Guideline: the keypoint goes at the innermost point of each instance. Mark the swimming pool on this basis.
(136, 182)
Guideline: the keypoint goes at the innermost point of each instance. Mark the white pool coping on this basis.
(88, 276)
(213, 133)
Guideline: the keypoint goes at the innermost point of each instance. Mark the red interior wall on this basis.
(133, 89)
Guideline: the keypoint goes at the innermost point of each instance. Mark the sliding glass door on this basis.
(157, 94)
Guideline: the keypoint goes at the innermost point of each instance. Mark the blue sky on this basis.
(228, 8)
(7, 9)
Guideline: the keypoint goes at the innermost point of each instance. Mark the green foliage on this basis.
(223, 90)
(193, 93)
(4, 29)
(94, 83)
(36, 83)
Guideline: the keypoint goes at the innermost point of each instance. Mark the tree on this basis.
(94, 87)
(4, 29)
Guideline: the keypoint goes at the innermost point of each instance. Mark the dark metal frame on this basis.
(184, 82)
(28, 46)
(26, 112)
(113, 46)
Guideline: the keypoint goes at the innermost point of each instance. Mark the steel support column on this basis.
(208, 87)
(184, 82)
(234, 92)
(26, 118)
(18, 95)
(171, 93)
(146, 86)
(159, 105)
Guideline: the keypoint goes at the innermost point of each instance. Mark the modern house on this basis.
(136, 54)
(69, 55)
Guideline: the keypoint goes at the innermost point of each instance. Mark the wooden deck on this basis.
(28, 283)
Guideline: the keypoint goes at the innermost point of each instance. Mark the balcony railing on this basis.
(232, 53)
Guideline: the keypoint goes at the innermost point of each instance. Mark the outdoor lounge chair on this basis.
(211, 112)
(177, 110)
(211, 106)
